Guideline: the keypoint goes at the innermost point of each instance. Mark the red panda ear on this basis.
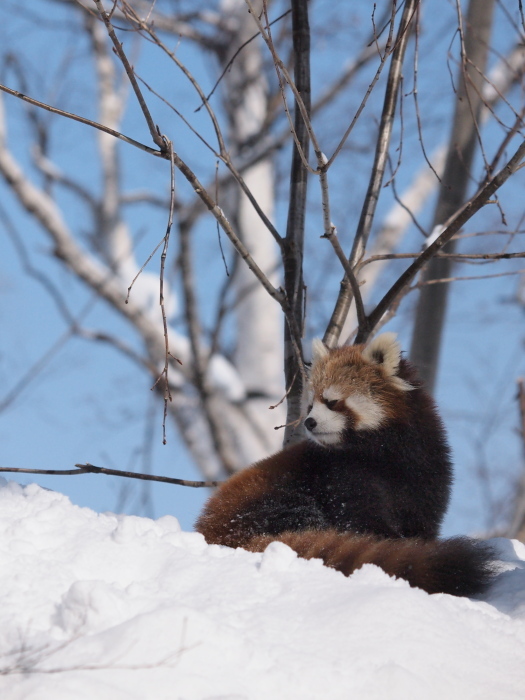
(385, 351)
(319, 350)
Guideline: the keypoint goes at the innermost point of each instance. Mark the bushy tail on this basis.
(459, 566)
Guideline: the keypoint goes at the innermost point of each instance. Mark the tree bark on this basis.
(294, 241)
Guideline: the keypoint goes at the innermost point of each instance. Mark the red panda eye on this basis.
(330, 404)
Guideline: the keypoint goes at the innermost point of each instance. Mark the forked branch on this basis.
(344, 299)
(451, 228)
(153, 129)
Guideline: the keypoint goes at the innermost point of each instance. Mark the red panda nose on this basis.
(310, 423)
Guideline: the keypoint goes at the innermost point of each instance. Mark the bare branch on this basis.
(267, 144)
(91, 469)
(83, 120)
(183, 408)
(179, 24)
(458, 257)
(282, 72)
(217, 212)
(144, 27)
(224, 156)
(232, 59)
(383, 57)
(153, 129)
(164, 254)
(430, 313)
(221, 443)
(191, 177)
(466, 278)
(502, 76)
(332, 237)
(340, 312)
(458, 221)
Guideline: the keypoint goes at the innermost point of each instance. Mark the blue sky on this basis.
(90, 403)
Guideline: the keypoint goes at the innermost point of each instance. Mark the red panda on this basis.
(371, 484)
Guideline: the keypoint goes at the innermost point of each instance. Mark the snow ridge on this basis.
(98, 605)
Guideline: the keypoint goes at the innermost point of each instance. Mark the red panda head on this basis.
(354, 388)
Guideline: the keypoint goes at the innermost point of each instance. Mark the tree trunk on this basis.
(294, 242)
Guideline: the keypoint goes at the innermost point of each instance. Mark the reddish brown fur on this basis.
(440, 566)
(242, 488)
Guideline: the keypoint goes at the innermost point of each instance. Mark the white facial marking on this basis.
(332, 393)
(329, 426)
(326, 438)
(369, 414)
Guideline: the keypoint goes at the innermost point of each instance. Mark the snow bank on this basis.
(103, 606)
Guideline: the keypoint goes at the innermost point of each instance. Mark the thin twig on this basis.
(270, 143)
(133, 17)
(190, 176)
(232, 59)
(344, 299)
(451, 228)
(286, 393)
(416, 103)
(518, 124)
(167, 354)
(91, 469)
(143, 267)
(218, 227)
(466, 278)
(282, 72)
(83, 120)
(464, 139)
(387, 51)
(154, 131)
(458, 257)
(360, 310)
(385, 132)
(224, 156)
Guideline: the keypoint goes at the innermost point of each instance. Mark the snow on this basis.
(98, 605)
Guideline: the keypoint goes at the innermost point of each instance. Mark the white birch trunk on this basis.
(259, 350)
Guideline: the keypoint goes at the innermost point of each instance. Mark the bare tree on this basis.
(260, 102)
